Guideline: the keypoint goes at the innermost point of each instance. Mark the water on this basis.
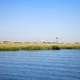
(40, 65)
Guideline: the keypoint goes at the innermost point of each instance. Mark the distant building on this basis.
(6, 42)
(17, 42)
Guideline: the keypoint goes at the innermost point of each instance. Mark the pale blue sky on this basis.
(40, 20)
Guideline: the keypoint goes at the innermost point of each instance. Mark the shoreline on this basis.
(38, 46)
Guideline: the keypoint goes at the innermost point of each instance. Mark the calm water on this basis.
(40, 65)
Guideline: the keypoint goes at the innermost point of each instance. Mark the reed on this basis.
(40, 47)
(69, 46)
(31, 46)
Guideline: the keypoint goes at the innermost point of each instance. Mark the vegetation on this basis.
(34, 46)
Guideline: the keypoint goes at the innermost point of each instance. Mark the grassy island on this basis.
(36, 46)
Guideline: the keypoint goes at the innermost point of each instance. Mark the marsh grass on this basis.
(25, 46)
(69, 46)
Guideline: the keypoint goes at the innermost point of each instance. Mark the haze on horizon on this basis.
(40, 20)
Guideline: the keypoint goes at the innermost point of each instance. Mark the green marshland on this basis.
(34, 46)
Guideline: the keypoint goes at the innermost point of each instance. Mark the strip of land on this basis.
(36, 46)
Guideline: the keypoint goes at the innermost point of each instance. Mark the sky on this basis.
(40, 20)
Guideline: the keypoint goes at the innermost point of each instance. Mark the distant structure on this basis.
(57, 39)
(6, 42)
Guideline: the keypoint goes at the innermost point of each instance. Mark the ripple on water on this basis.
(44, 65)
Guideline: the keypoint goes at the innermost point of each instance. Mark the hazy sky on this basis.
(40, 20)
